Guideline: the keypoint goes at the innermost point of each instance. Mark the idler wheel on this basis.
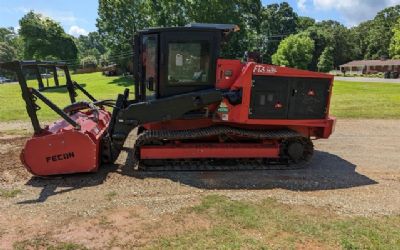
(298, 150)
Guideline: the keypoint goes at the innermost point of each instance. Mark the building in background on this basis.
(370, 66)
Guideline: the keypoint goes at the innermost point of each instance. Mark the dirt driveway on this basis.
(356, 172)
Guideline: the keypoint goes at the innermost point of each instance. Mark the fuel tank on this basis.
(62, 149)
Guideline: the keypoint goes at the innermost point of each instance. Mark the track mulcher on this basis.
(192, 109)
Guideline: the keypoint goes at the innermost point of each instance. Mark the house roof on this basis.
(371, 63)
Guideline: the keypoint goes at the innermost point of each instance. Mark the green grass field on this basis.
(222, 223)
(12, 106)
(273, 225)
(366, 100)
(350, 99)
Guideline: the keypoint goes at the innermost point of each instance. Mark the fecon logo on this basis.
(60, 157)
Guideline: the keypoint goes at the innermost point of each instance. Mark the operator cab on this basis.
(171, 61)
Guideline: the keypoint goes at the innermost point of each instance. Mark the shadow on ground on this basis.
(67, 183)
(325, 172)
(59, 89)
(123, 81)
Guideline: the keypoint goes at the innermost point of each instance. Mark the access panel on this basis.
(274, 97)
(269, 98)
(309, 98)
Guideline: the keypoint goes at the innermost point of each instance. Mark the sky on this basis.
(78, 17)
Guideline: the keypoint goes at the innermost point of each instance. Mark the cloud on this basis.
(77, 31)
(64, 17)
(354, 11)
(301, 4)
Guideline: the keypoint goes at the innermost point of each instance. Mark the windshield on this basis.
(188, 62)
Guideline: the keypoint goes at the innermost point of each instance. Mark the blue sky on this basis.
(79, 16)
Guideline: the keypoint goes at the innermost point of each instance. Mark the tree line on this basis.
(276, 31)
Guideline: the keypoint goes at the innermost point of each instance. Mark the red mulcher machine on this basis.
(192, 110)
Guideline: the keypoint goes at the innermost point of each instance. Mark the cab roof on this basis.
(224, 28)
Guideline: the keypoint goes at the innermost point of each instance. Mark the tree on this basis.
(89, 61)
(90, 42)
(321, 40)
(44, 37)
(325, 62)
(341, 42)
(359, 36)
(119, 20)
(166, 13)
(394, 49)
(7, 52)
(117, 23)
(105, 59)
(372, 39)
(261, 28)
(6, 34)
(244, 13)
(380, 33)
(294, 51)
(13, 41)
(278, 22)
(335, 35)
(304, 23)
(90, 45)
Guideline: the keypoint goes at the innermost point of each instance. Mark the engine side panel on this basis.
(309, 98)
(277, 97)
(269, 98)
(305, 110)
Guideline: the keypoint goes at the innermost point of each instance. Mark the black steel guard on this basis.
(30, 94)
(126, 116)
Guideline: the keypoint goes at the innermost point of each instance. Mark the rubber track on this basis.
(151, 136)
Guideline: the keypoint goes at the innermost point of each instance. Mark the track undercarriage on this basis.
(244, 149)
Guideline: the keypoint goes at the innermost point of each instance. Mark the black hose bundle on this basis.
(74, 107)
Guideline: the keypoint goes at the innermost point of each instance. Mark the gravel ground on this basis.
(355, 172)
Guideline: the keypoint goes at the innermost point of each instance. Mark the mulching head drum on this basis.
(63, 149)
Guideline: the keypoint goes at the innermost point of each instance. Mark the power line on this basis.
(127, 53)
(116, 55)
(110, 59)
(121, 55)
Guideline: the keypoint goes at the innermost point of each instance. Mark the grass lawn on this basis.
(221, 223)
(366, 100)
(12, 106)
(272, 225)
(350, 99)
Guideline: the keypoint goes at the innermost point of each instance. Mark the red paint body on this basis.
(241, 78)
(210, 150)
(61, 149)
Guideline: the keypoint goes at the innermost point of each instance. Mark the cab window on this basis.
(188, 63)
(150, 63)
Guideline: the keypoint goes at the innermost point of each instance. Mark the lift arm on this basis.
(126, 118)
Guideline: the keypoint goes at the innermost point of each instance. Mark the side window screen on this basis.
(188, 63)
(150, 62)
